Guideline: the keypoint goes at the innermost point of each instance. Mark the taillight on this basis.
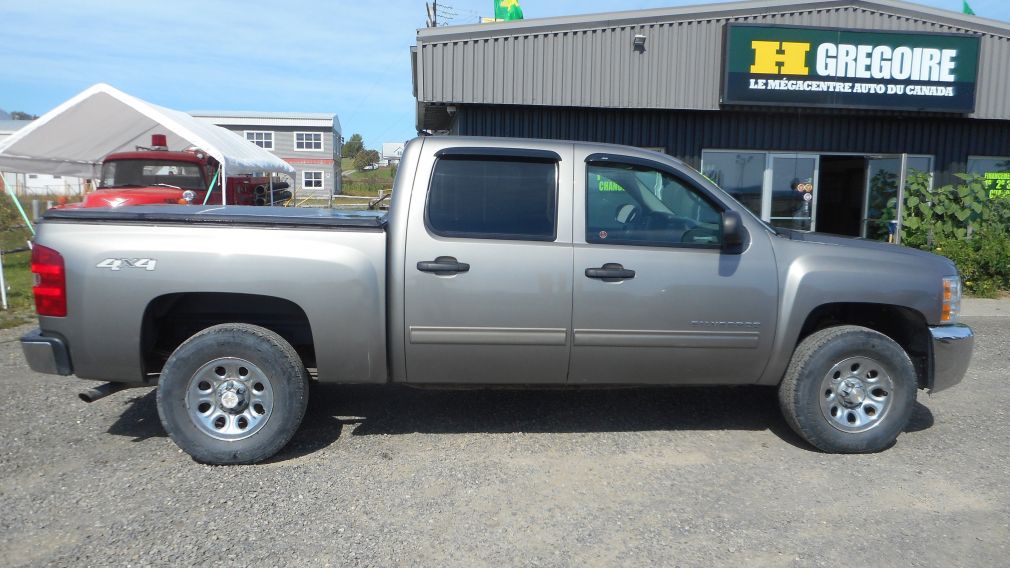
(50, 285)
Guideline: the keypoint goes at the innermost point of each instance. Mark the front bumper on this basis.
(46, 353)
(952, 346)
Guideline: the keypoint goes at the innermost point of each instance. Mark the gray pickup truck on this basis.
(500, 262)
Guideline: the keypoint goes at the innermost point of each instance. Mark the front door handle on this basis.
(610, 272)
(443, 265)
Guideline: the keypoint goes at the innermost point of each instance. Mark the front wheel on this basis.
(849, 389)
(232, 394)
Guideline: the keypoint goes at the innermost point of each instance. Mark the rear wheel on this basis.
(849, 389)
(232, 394)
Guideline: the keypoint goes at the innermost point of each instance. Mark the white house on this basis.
(392, 152)
(309, 141)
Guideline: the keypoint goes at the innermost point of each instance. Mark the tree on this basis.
(351, 148)
(18, 115)
(366, 157)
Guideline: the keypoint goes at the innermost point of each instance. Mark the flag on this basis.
(507, 10)
(965, 8)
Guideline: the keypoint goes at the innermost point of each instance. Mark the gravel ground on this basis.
(395, 476)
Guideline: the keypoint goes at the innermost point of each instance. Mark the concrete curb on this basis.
(981, 307)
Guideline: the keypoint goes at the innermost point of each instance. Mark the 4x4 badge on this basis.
(119, 263)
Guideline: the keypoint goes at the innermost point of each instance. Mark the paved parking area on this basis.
(395, 476)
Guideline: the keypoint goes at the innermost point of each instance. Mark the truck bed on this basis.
(231, 215)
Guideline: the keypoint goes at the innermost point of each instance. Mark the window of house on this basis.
(493, 198)
(312, 179)
(639, 205)
(308, 141)
(260, 138)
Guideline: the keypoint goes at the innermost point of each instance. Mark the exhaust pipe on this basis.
(102, 391)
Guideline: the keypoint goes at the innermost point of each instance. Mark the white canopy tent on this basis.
(73, 138)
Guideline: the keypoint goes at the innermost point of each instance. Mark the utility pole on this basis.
(432, 13)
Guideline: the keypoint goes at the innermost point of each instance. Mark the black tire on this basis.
(269, 426)
(826, 411)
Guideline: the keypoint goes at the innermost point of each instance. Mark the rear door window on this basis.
(493, 197)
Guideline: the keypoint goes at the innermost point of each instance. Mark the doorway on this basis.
(842, 183)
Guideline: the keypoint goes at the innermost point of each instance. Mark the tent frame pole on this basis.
(17, 203)
(3, 283)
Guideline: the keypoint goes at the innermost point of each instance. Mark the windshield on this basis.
(144, 173)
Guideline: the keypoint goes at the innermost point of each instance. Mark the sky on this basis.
(348, 57)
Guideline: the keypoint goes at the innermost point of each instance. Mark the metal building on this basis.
(773, 100)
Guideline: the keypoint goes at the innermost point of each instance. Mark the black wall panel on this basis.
(684, 133)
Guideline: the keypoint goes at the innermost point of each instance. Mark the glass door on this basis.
(790, 196)
(880, 206)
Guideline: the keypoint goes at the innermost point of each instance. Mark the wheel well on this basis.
(905, 326)
(171, 319)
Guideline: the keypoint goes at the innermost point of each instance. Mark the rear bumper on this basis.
(46, 353)
(952, 347)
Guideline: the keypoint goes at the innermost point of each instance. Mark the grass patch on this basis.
(18, 281)
(367, 183)
(16, 266)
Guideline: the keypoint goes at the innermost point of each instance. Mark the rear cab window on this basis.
(494, 196)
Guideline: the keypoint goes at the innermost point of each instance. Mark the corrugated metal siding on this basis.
(680, 68)
(684, 133)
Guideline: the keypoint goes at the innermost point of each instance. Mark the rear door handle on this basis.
(610, 272)
(443, 265)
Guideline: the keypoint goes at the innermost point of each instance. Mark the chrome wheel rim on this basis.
(856, 394)
(229, 399)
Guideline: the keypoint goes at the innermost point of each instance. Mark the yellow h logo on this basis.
(780, 58)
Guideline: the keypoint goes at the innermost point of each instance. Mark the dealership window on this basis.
(785, 188)
(639, 205)
(493, 198)
(312, 179)
(308, 141)
(882, 189)
(741, 174)
(260, 138)
(996, 172)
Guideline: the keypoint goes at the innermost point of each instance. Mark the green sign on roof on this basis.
(828, 67)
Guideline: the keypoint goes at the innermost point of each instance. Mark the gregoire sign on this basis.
(828, 67)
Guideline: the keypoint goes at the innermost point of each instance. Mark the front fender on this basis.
(814, 274)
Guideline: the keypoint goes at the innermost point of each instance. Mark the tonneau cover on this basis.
(236, 215)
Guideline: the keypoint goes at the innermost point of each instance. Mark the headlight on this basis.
(189, 195)
(951, 299)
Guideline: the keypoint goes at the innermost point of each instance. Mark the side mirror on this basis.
(733, 233)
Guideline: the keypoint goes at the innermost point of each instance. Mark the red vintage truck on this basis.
(156, 175)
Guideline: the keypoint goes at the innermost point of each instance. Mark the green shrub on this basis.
(962, 223)
(983, 261)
